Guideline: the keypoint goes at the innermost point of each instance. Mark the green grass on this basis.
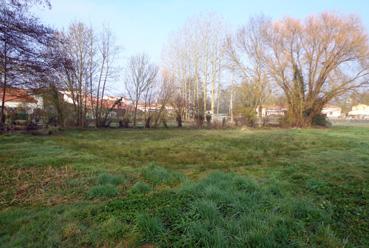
(106, 178)
(107, 190)
(186, 188)
(157, 175)
(140, 188)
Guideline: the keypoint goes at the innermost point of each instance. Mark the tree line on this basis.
(307, 63)
(206, 70)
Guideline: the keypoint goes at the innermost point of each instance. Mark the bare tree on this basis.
(77, 46)
(149, 108)
(25, 4)
(22, 42)
(140, 76)
(53, 79)
(106, 56)
(166, 91)
(179, 105)
(194, 56)
(315, 60)
(246, 62)
(91, 68)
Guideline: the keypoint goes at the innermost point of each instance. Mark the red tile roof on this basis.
(17, 95)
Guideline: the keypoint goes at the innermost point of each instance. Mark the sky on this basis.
(144, 26)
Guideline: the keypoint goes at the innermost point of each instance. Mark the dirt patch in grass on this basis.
(35, 185)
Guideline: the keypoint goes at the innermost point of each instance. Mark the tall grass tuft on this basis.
(158, 175)
(106, 178)
(140, 188)
(150, 226)
(106, 190)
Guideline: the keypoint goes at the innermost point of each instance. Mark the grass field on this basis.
(186, 188)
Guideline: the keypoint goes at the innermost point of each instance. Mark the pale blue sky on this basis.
(145, 25)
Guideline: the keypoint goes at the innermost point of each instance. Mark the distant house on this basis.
(281, 110)
(16, 97)
(153, 107)
(108, 102)
(117, 107)
(148, 108)
(360, 111)
(332, 112)
(272, 110)
(67, 96)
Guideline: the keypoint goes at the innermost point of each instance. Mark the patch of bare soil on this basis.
(25, 186)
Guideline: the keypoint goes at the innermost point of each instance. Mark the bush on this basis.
(140, 188)
(199, 119)
(321, 120)
(2, 127)
(31, 125)
(45, 131)
(124, 123)
(107, 190)
(20, 115)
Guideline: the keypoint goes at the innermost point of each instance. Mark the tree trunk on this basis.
(148, 122)
(179, 120)
(303, 117)
(231, 104)
(135, 115)
(57, 104)
(158, 116)
(2, 121)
